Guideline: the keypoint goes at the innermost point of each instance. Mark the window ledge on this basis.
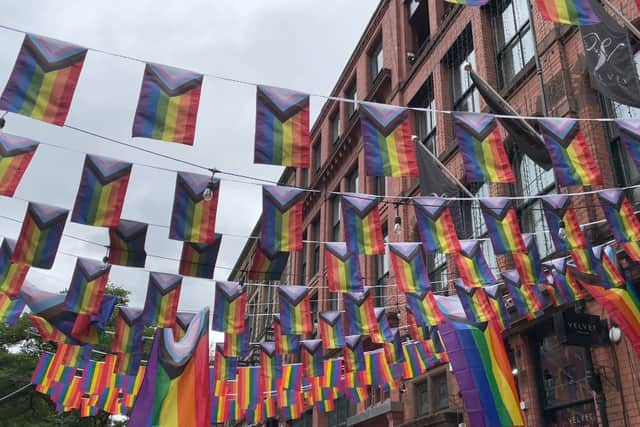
(375, 411)
(378, 83)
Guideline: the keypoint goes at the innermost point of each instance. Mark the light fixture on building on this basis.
(411, 57)
(562, 230)
(615, 334)
(397, 222)
(514, 371)
(207, 194)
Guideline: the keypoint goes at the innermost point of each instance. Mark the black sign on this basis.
(580, 329)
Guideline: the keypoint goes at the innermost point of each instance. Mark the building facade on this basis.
(413, 53)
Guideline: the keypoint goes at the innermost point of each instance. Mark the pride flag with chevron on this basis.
(362, 225)
(435, 224)
(15, 156)
(281, 220)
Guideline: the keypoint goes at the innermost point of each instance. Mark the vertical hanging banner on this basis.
(413, 365)
(168, 104)
(343, 268)
(229, 308)
(417, 333)
(312, 360)
(483, 372)
(482, 148)
(175, 391)
(360, 316)
(495, 296)
(435, 224)
(572, 160)
(409, 267)
(295, 310)
(564, 281)
(128, 331)
(630, 137)
(424, 308)
(570, 12)
(502, 225)
(527, 298)
(474, 302)
(43, 80)
(559, 211)
(281, 220)
(199, 259)
(267, 266)
(362, 225)
(620, 215)
(384, 333)
(472, 265)
(182, 324)
(10, 309)
(225, 368)
(271, 363)
(284, 343)
(386, 135)
(86, 292)
(282, 127)
(331, 328)
(15, 155)
(161, 303)
(237, 344)
(250, 387)
(609, 269)
(47, 331)
(354, 353)
(378, 370)
(393, 348)
(12, 275)
(193, 218)
(126, 244)
(528, 264)
(40, 235)
(103, 186)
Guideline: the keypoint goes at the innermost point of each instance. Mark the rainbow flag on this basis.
(331, 328)
(89, 406)
(483, 371)
(47, 331)
(526, 298)
(271, 363)
(435, 224)
(175, 391)
(608, 267)
(291, 404)
(284, 343)
(199, 259)
(281, 226)
(571, 12)
(267, 266)
(502, 225)
(10, 309)
(333, 370)
(630, 136)
(354, 387)
(572, 160)
(528, 264)
(361, 222)
(229, 307)
(386, 135)
(474, 302)
(250, 387)
(16, 153)
(359, 313)
(378, 370)
(43, 80)
(295, 310)
(193, 218)
(291, 377)
(225, 368)
(620, 215)
(39, 374)
(128, 363)
(182, 324)
(417, 333)
(384, 333)
(483, 153)
(129, 330)
(558, 210)
(168, 104)
(12, 275)
(103, 186)
(393, 348)
(343, 268)
(622, 304)
(354, 353)
(282, 127)
(409, 267)
(40, 235)
(495, 297)
(632, 249)
(414, 363)
(87, 287)
(564, 281)
(237, 344)
(424, 308)
(472, 265)
(161, 303)
(126, 244)
(312, 360)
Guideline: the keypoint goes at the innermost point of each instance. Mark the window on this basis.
(303, 260)
(465, 94)
(338, 418)
(438, 272)
(432, 394)
(315, 236)
(422, 398)
(316, 161)
(304, 175)
(305, 421)
(353, 181)
(379, 185)
(382, 274)
(376, 60)
(313, 304)
(335, 128)
(352, 93)
(419, 23)
(335, 219)
(513, 38)
(479, 229)
(426, 121)
(441, 394)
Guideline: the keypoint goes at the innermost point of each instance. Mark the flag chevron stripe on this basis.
(343, 268)
(619, 213)
(502, 225)
(15, 156)
(362, 225)
(229, 307)
(193, 219)
(435, 225)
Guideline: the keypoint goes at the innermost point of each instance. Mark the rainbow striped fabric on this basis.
(608, 266)
(572, 160)
(199, 259)
(558, 210)
(343, 268)
(409, 267)
(291, 377)
(414, 364)
(126, 244)
(483, 153)
(271, 363)
(354, 353)
(483, 371)
(331, 328)
(360, 316)
(528, 264)
(281, 221)
(393, 348)
(474, 302)
(620, 215)
(168, 104)
(87, 287)
(502, 225)
(43, 80)
(571, 12)
(267, 266)
(250, 387)
(40, 235)
(354, 387)
(312, 361)
(472, 265)
(175, 391)
(229, 307)
(237, 344)
(564, 282)
(161, 303)
(495, 297)
(103, 186)
(128, 331)
(361, 222)
(526, 298)
(424, 308)
(193, 218)
(632, 249)
(282, 127)
(378, 370)
(386, 135)
(225, 368)
(630, 136)
(295, 310)
(417, 333)
(10, 309)
(333, 370)
(183, 320)
(435, 224)
(16, 153)
(12, 275)
(384, 333)
(284, 343)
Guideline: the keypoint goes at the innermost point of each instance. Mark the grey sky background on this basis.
(296, 44)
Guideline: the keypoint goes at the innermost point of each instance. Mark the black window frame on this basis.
(353, 180)
(335, 127)
(315, 236)
(352, 93)
(335, 218)
(376, 53)
(316, 155)
(460, 52)
(419, 25)
(381, 267)
(426, 121)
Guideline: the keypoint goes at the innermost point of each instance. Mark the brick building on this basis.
(413, 53)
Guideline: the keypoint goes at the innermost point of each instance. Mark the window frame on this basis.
(376, 59)
(429, 383)
(353, 180)
(456, 60)
(336, 217)
(315, 254)
(335, 127)
(352, 93)
(316, 155)
(382, 267)
(413, 19)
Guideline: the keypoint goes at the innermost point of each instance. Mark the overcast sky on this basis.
(290, 43)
